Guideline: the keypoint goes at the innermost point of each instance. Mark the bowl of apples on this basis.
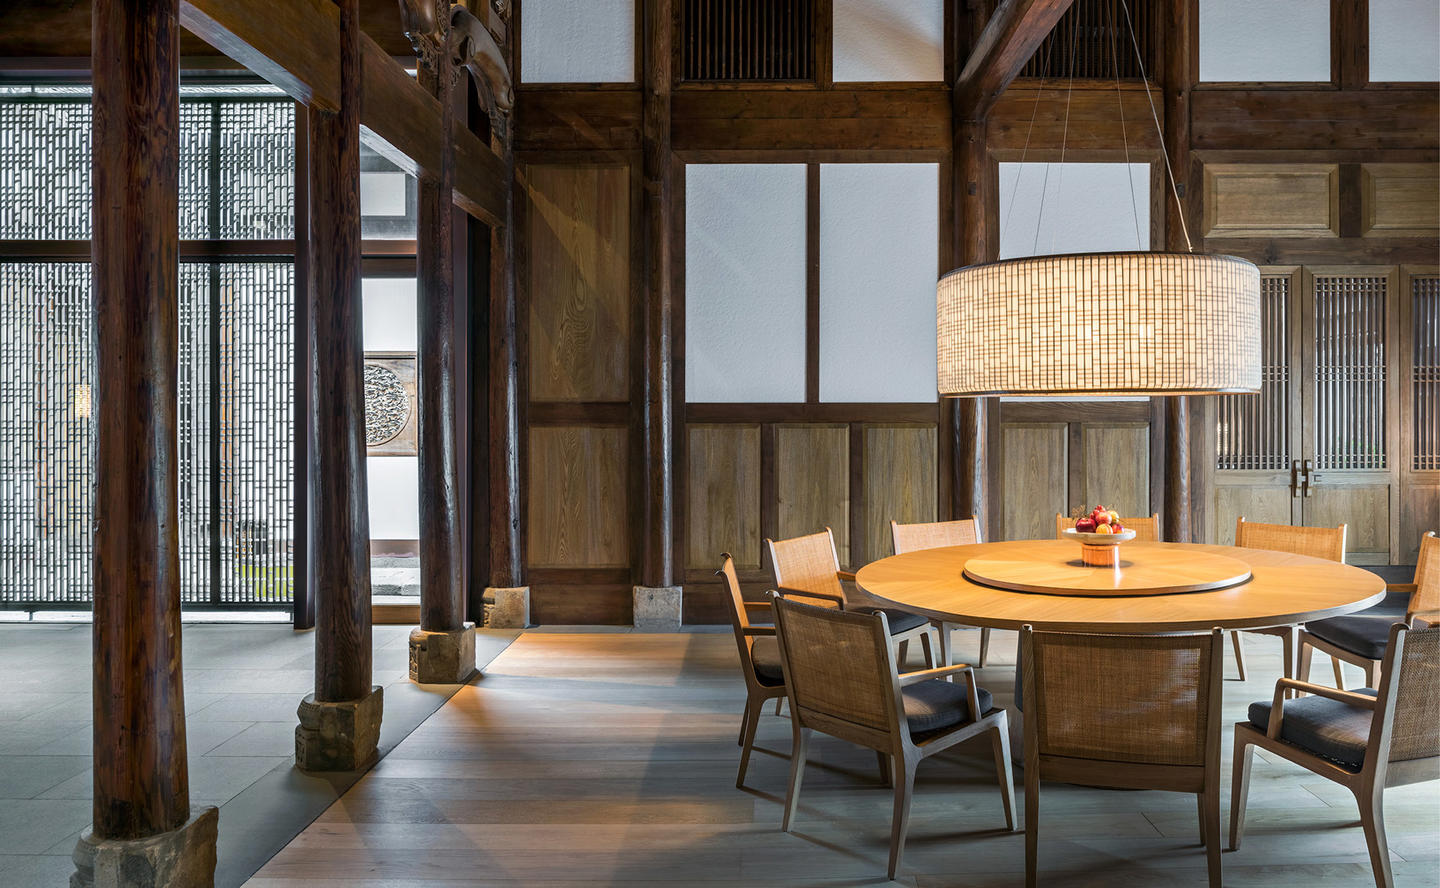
(1100, 534)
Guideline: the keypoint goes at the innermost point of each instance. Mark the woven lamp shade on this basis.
(1100, 324)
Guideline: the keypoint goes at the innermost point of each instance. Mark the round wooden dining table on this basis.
(1157, 588)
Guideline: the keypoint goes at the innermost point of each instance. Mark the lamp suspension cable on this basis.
(1164, 151)
(1064, 137)
(1124, 136)
(1025, 149)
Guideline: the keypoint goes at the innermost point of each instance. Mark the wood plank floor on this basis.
(609, 759)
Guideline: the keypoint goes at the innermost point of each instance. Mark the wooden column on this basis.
(442, 599)
(340, 523)
(965, 420)
(141, 782)
(506, 503)
(1177, 75)
(657, 383)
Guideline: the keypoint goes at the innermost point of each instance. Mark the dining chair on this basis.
(844, 682)
(759, 660)
(1147, 530)
(1153, 723)
(1317, 542)
(1365, 741)
(1360, 638)
(935, 535)
(809, 567)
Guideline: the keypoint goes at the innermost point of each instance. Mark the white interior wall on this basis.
(1074, 208)
(744, 282)
(1404, 40)
(888, 40)
(577, 41)
(879, 260)
(1280, 40)
(388, 317)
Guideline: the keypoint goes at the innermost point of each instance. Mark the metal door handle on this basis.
(1295, 477)
(1307, 472)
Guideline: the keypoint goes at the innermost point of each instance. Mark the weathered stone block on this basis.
(181, 858)
(658, 608)
(339, 736)
(442, 657)
(511, 609)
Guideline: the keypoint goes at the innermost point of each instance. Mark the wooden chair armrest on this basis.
(823, 596)
(758, 605)
(847, 576)
(758, 630)
(1272, 729)
(1423, 619)
(1408, 588)
(910, 678)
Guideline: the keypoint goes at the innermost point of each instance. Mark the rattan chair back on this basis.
(807, 564)
(739, 619)
(1317, 542)
(1415, 732)
(1146, 529)
(1426, 598)
(1151, 703)
(838, 665)
(933, 535)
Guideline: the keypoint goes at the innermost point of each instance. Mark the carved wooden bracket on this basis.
(474, 45)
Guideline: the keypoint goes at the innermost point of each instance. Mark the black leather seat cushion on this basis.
(1367, 632)
(900, 621)
(1330, 728)
(765, 654)
(935, 704)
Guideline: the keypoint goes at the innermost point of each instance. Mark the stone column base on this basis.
(339, 736)
(511, 608)
(657, 608)
(181, 858)
(442, 657)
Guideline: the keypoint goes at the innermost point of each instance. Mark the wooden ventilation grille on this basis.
(748, 40)
(1080, 44)
(1350, 372)
(1254, 430)
(1425, 322)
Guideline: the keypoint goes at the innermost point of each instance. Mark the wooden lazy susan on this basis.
(1140, 570)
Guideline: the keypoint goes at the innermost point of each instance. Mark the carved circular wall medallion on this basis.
(387, 405)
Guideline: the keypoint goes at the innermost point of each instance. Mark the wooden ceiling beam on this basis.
(1010, 38)
(296, 46)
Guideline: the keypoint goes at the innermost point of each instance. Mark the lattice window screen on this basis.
(195, 432)
(1350, 372)
(1080, 44)
(1254, 430)
(257, 170)
(1425, 329)
(47, 460)
(748, 40)
(44, 170)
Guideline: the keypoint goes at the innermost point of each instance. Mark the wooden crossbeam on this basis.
(295, 45)
(1009, 40)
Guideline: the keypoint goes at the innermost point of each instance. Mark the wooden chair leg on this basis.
(752, 719)
(799, 747)
(984, 647)
(1372, 818)
(929, 641)
(900, 823)
(1339, 666)
(887, 770)
(1287, 647)
(779, 704)
(1372, 674)
(901, 651)
(1302, 668)
(1239, 789)
(1000, 743)
(1239, 654)
(1032, 824)
(744, 724)
(945, 652)
(1200, 810)
(1210, 825)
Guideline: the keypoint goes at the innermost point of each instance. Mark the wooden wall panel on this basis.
(1400, 199)
(1267, 504)
(1117, 467)
(900, 482)
(1035, 477)
(723, 496)
(578, 281)
(1419, 512)
(1364, 509)
(812, 482)
(579, 482)
(1271, 200)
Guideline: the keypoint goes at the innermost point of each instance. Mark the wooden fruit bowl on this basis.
(1100, 549)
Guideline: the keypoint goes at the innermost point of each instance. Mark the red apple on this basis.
(1117, 527)
(1105, 518)
(1085, 525)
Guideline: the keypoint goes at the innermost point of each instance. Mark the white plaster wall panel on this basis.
(394, 497)
(577, 41)
(1404, 40)
(744, 282)
(1256, 40)
(879, 260)
(388, 314)
(889, 40)
(1073, 208)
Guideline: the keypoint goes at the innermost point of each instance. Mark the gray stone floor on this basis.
(242, 686)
